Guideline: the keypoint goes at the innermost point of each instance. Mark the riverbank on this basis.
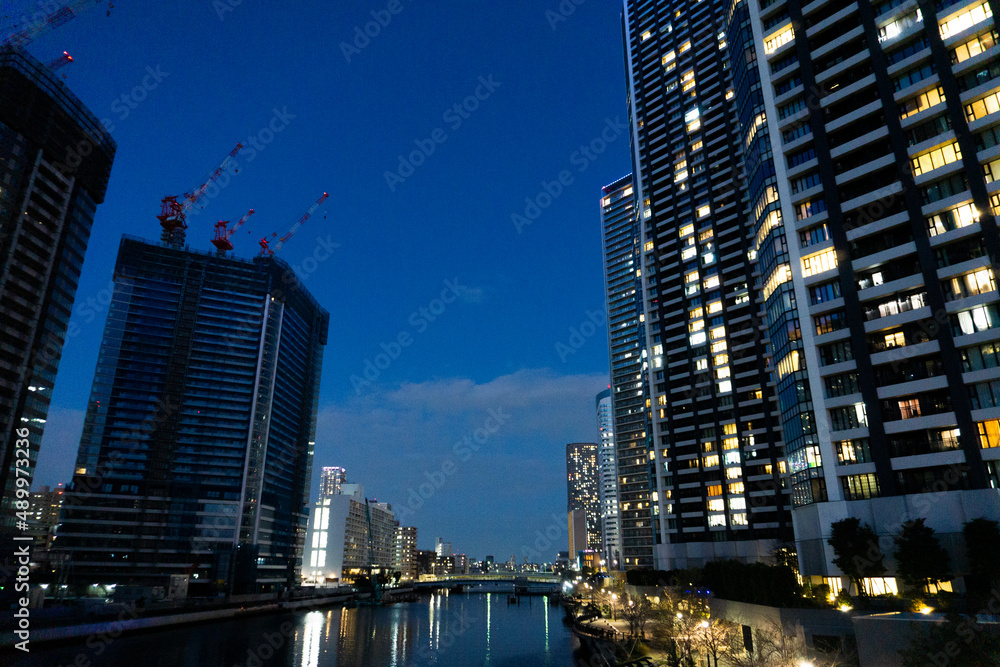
(121, 618)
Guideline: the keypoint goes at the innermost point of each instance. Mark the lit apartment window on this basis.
(781, 38)
(819, 263)
(684, 47)
(956, 218)
(976, 319)
(717, 505)
(780, 276)
(989, 434)
(668, 57)
(922, 101)
(788, 364)
(646, 35)
(977, 282)
(649, 246)
(714, 490)
(890, 30)
(935, 158)
(966, 20)
(711, 461)
(704, 210)
(974, 47)
(909, 408)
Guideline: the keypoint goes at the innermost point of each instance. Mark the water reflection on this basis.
(437, 631)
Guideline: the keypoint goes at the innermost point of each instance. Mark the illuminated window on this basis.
(966, 20)
(788, 364)
(722, 373)
(712, 282)
(956, 218)
(819, 263)
(985, 106)
(739, 519)
(974, 47)
(649, 246)
(989, 434)
(704, 210)
(971, 284)
(936, 158)
(646, 35)
(720, 346)
(717, 505)
(735, 488)
(715, 490)
(781, 275)
(668, 57)
(781, 38)
(684, 47)
(922, 101)
(711, 461)
(686, 230)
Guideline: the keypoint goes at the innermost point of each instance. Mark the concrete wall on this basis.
(803, 623)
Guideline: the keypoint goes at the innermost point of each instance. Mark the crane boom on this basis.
(61, 61)
(173, 213)
(36, 29)
(265, 248)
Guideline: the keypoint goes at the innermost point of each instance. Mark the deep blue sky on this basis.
(495, 347)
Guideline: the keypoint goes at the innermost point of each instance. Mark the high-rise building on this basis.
(608, 481)
(716, 435)
(331, 480)
(338, 547)
(442, 548)
(405, 559)
(635, 473)
(884, 120)
(198, 439)
(55, 161)
(582, 488)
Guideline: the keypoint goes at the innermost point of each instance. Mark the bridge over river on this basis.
(526, 584)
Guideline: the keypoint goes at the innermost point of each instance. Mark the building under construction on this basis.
(196, 451)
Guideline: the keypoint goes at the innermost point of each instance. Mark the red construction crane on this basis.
(173, 213)
(61, 61)
(37, 28)
(222, 235)
(266, 250)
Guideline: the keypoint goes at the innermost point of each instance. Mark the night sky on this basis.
(482, 381)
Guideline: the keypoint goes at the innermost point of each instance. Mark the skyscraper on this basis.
(405, 559)
(883, 118)
(608, 481)
(198, 439)
(716, 450)
(55, 161)
(636, 476)
(331, 480)
(583, 489)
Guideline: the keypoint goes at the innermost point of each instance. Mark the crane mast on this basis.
(222, 235)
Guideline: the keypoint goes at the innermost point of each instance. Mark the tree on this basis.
(982, 544)
(857, 550)
(635, 611)
(921, 558)
(715, 636)
(958, 642)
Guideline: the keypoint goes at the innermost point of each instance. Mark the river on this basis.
(441, 629)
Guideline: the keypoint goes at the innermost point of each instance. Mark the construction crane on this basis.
(42, 26)
(267, 251)
(222, 235)
(61, 61)
(173, 213)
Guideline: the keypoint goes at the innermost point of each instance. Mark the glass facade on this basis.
(198, 439)
(55, 161)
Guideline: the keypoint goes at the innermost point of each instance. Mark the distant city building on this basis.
(583, 488)
(405, 559)
(461, 564)
(578, 534)
(49, 191)
(622, 245)
(44, 516)
(607, 473)
(198, 438)
(337, 544)
(330, 481)
(442, 548)
(426, 559)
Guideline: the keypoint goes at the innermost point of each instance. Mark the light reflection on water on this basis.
(455, 629)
